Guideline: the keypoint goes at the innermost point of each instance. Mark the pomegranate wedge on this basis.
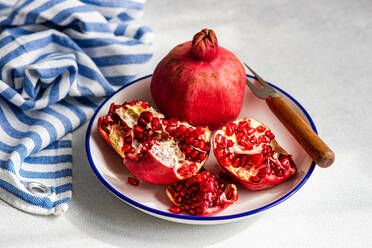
(202, 195)
(247, 149)
(154, 149)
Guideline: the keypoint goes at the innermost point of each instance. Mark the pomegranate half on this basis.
(200, 82)
(202, 195)
(247, 149)
(154, 149)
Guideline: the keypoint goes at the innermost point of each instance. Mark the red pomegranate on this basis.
(202, 195)
(154, 149)
(200, 82)
(247, 149)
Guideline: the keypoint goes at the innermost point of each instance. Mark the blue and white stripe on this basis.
(58, 59)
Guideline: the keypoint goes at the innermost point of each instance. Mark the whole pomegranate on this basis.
(200, 82)
(154, 149)
(247, 149)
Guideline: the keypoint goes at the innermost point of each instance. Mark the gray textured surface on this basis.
(318, 51)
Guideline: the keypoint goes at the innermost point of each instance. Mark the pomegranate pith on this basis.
(247, 149)
(199, 82)
(154, 149)
(202, 195)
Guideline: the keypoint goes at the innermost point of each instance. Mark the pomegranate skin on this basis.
(151, 170)
(200, 92)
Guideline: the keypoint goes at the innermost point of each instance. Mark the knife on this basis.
(301, 131)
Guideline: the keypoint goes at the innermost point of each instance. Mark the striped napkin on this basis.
(58, 59)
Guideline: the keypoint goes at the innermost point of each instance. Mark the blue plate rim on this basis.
(189, 217)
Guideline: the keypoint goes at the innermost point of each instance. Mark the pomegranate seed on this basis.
(253, 139)
(230, 195)
(218, 139)
(172, 122)
(139, 136)
(242, 125)
(189, 131)
(182, 137)
(189, 140)
(144, 105)
(126, 148)
(133, 181)
(260, 129)
(194, 154)
(280, 173)
(269, 134)
(251, 131)
(128, 139)
(207, 186)
(193, 167)
(272, 165)
(199, 210)
(247, 145)
(284, 161)
(236, 162)
(226, 161)
(256, 159)
(105, 128)
(224, 142)
(240, 135)
(149, 133)
(155, 123)
(255, 179)
(200, 130)
(137, 129)
(109, 119)
(112, 107)
(142, 122)
(170, 129)
(219, 152)
(199, 144)
(230, 143)
(264, 139)
(147, 116)
(175, 209)
(244, 160)
(178, 199)
(188, 150)
(182, 147)
(224, 152)
(231, 156)
(230, 128)
(181, 129)
(206, 147)
(202, 156)
(266, 147)
(181, 172)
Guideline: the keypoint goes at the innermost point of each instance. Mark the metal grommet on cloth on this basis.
(38, 189)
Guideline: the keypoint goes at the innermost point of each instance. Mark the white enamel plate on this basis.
(152, 199)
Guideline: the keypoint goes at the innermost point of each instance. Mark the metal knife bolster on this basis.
(271, 96)
(267, 92)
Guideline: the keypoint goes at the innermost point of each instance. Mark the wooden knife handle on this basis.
(310, 141)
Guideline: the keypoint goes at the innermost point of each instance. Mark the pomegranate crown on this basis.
(205, 45)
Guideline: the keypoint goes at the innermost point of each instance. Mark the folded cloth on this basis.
(58, 59)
